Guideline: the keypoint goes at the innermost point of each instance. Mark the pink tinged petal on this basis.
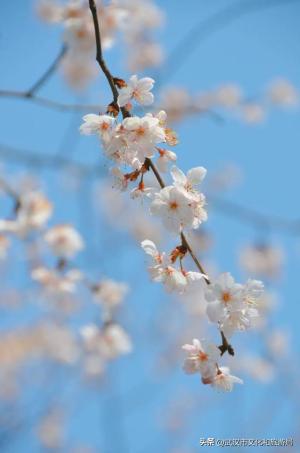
(215, 311)
(196, 175)
(197, 345)
(190, 366)
(149, 247)
(125, 94)
(145, 98)
(133, 81)
(226, 280)
(145, 84)
(178, 176)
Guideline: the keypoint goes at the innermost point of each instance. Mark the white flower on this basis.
(50, 11)
(138, 89)
(223, 296)
(231, 305)
(202, 357)
(64, 241)
(115, 341)
(228, 96)
(33, 212)
(224, 381)
(143, 134)
(188, 182)
(109, 342)
(162, 270)
(109, 292)
(283, 93)
(142, 192)
(90, 334)
(252, 292)
(165, 157)
(174, 207)
(78, 34)
(262, 260)
(120, 181)
(150, 248)
(181, 205)
(97, 124)
(54, 282)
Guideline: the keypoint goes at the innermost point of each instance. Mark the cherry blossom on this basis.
(109, 342)
(64, 241)
(177, 209)
(109, 293)
(282, 92)
(163, 271)
(165, 157)
(223, 381)
(202, 357)
(54, 282)
(231, 305)
(137, 89)
(101, 124)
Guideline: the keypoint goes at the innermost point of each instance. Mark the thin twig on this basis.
(48, 73)
(49, 103)
(37, 160)
(99, 55)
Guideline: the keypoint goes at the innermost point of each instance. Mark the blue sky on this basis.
(125, 415)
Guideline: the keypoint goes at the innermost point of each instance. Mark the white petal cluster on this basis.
(102, 345)
(137, 89)
(132, 20)
(262, 260)
(55, 282)
(162, 270)
(231, 305)
(128, 142)
(64, 241)
(32, 213)
(133, 142)
(181, 205)
(203, 358)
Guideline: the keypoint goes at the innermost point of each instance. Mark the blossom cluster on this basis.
(280, 93)
(58, 285)
(132, 143)
(133, 18)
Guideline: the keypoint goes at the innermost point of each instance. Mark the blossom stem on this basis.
(195, 259)
(99, 54)
(125, 113)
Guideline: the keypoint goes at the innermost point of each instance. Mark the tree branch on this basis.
(99, 55)
(125, 113)
(47, 74)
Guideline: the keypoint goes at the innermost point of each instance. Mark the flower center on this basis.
(140, 131)
(226, 297)
(173, 205)
(104, 126)
(202, 356)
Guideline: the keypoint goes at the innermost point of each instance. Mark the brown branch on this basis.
(225, 346)
(47, 74)
(49, 103)
(99, 55)
(37, 160)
